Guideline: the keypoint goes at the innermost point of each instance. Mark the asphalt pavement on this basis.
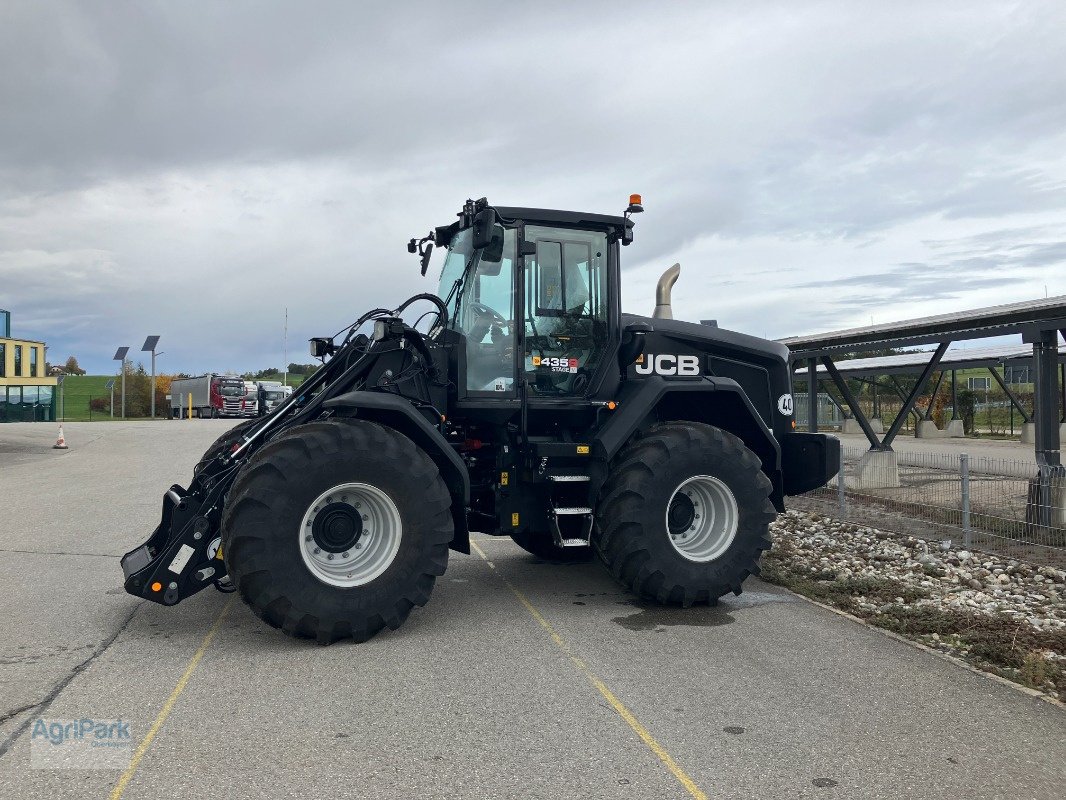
(520, 679)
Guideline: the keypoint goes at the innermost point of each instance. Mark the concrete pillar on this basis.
(1028, 433)
(851, 425)
(927, 429)
(877, 469)
(955, 429)
(1058, 503)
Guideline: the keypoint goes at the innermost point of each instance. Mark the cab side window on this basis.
(566, 309)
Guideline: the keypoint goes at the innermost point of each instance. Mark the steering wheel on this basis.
(487, 320)
(481, 310)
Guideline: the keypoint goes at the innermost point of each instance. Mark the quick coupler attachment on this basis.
(183, 554)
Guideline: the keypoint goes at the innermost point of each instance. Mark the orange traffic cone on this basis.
(61, 443)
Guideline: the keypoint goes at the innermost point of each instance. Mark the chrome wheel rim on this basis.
(702, 518)
(350, 534)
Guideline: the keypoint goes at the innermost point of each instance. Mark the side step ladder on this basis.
(569, 515)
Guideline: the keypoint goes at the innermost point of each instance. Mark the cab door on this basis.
(566, 310)
(485, 317)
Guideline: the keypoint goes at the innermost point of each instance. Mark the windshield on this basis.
(231, 390)
(274, 395)
(468, 278)
(451, 274)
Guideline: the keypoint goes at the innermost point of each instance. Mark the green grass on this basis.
(78, 390)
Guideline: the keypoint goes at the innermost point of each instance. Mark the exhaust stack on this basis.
(663, 309)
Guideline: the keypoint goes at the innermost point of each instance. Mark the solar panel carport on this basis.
(1037, 322)
(867, 370)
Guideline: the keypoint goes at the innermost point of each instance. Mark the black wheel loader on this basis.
(522, 403)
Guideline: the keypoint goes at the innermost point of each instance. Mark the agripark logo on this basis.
(86, 743)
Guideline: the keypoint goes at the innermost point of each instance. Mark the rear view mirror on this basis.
(632, 344)
(425, 257)
(493, 251)
(484, 228)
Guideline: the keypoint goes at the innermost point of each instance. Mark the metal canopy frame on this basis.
(1039, 322)
(980, 323)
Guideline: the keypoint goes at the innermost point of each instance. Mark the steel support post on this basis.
(849, 398)
(1014, 401)
(964, 478)
(812, 395)
(954, 396)
(932, 395)
(902, 395)
(841, 494)
(1046, 397)
(1062, 392)
(934, 362)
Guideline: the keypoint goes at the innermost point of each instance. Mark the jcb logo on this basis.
(666, 364)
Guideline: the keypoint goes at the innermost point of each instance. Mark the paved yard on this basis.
(519, 679)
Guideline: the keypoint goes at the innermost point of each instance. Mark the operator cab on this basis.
(532, 295)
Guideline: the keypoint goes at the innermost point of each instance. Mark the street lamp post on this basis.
(110, 387)
(149, 347)
(120, 355)
(62, 415)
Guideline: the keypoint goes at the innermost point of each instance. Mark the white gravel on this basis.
(977, 582)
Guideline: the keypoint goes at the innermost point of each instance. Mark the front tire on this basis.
(684, 515)
(336, 530)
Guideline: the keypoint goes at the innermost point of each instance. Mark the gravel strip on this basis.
(1004, 615)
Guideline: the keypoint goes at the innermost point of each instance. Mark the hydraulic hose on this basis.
(432, 298)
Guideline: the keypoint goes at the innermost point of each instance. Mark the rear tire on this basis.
(684, 515)
(300, 492)
(542, 546)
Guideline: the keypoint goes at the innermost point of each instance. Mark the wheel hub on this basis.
(337, 527)
(681, 514)
(702, 518)
(350, 534)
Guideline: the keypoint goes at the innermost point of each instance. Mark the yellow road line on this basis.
(601, 687)
(168, 706)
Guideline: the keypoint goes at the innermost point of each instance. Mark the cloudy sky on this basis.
(192, 169)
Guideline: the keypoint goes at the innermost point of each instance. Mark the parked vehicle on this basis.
(251, 399)
(531, 408)
(211, 396)
(269, 394)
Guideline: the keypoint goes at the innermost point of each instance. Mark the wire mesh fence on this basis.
(1013, 507)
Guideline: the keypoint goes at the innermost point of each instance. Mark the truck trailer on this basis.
(209, 396)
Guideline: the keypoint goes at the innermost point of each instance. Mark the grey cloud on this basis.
(195, 168)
